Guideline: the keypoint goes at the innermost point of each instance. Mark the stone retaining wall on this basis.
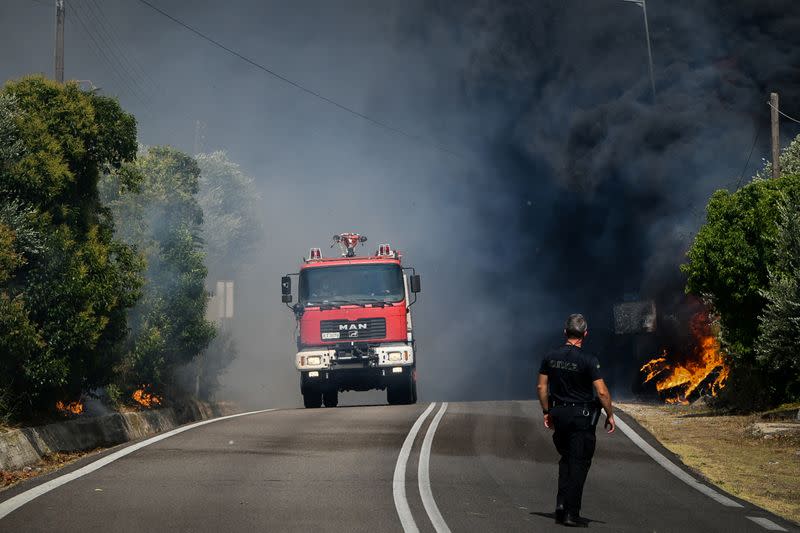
(26, 446)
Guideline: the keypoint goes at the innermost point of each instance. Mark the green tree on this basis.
(69, 292)
(163, 220)
(729, 266)
(780, 322)
(232, 224)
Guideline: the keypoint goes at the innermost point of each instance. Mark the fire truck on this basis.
(354, 323)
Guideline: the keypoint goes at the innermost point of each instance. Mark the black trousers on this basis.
(575, 439)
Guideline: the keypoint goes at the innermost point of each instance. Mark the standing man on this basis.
(571, 409)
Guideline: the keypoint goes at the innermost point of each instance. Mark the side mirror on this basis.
(416, 284)
(286, 286)
(286, 298)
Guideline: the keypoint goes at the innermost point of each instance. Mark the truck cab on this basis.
(355, 329)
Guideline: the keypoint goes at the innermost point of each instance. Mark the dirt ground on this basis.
(49, 463)
(750, 457)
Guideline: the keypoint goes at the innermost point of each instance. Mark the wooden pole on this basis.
(59, 71)
(776, 138)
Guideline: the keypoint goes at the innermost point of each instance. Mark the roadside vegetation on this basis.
(103, 255)
(745, 263)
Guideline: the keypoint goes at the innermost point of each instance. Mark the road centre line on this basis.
(399, 479)
(424, 475)
(674, 469)
(12, 504)
(766, 523)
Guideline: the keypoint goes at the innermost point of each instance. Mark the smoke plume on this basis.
(563, 188)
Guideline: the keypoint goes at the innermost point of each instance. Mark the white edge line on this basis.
(424, 478)
(12, 504)
(766, 523)
(399, 479)
(674, 469)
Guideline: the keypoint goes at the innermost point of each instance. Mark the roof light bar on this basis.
(385, 250)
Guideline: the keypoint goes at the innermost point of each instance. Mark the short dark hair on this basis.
(576, 326)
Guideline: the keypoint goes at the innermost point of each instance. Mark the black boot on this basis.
(559, 514)
(574, 521)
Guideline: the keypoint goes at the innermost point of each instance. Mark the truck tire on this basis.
(402, 393)
(330, 398)
(312, 399)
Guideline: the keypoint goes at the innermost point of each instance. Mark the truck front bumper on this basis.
(375, 368)
(379, 356)
(355, 379)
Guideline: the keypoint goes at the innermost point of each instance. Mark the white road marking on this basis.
(672, 468)
(399, 479)
(12, 504)
(766, 523)
(424, 475)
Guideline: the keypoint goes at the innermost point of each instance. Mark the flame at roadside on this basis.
(705, 370)
(72, 408)
(145, 399)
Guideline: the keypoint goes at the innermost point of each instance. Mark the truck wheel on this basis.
(401, 393)
(330, 398)
(391, 395)
(413, 392)
(312, 399)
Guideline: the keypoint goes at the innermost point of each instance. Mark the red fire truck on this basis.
(355, 330)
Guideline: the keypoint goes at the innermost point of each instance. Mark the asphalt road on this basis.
(487, 467)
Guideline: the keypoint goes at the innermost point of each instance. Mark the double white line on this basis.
(423, 475)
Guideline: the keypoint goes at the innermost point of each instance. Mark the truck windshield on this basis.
(351, 284)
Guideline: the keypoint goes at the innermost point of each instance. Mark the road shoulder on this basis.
(723, 452)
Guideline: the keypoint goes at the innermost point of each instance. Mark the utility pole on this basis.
(60, 41)
(776, 137)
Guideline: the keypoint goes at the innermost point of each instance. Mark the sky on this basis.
(519, 163)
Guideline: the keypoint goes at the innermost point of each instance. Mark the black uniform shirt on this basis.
(570, 372)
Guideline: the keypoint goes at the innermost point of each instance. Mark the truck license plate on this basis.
(331, 335)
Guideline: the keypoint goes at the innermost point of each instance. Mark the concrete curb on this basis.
(26, 446)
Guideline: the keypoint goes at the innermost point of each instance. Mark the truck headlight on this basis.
(313, 360)
(395, 356)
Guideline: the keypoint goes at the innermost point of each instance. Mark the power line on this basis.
(755, 140)
(101, 54)
(121, 66)
(112, 31)
(416, 138)
(782, 113)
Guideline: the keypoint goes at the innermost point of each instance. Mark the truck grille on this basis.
(352, 330)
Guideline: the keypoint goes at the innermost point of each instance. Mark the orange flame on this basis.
(74, 408)
(145, 399)
(707, 363)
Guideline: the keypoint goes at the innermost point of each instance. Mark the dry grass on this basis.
(48, 464)
(726, 450)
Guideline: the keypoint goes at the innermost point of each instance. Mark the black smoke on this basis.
(606, 188)
(570, 190)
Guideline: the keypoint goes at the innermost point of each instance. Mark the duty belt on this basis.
(590, 405)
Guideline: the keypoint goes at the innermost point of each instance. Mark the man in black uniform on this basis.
(572, 410)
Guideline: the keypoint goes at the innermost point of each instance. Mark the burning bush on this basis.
(701, 371)
(70, 408)
(146, 399)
